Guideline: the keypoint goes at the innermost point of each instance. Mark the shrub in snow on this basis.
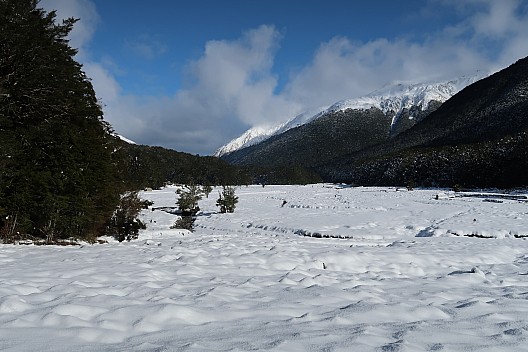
(124, 224)
(8, 232)
(189, 198)
(227, 200)
(185, 223)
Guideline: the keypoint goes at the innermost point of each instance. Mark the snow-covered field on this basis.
(404, 279)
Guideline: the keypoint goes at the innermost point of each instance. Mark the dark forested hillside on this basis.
(144, 166)
(333, 135)
(344, 128)
(477, 138)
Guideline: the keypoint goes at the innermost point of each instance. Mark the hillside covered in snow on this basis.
(392, 99)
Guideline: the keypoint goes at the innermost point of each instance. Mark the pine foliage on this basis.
(57, 178)
(189, 198)
(125, 224)
(227, 200)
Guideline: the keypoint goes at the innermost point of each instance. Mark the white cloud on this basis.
(489, 36)
(236, 76)
(341, 69)
(504, 23)
(105, 85)
(487, 18)
(499, 20)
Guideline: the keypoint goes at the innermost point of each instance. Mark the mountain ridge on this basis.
(478, 138)
(394, 99)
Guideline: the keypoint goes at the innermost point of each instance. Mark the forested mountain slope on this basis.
(347, 126)
(476, 138)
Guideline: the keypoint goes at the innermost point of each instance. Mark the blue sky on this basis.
(165, 38)
(191, 75)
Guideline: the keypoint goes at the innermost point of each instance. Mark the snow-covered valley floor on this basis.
(405, 279)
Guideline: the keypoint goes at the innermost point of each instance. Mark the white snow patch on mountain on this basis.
(124, 139)
(391, 99)
(259, 134)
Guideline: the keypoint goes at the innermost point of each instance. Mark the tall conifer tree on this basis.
(57, 178)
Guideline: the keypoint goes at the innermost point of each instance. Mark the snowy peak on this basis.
(124, 139)
(252, 136)
(394, 97)
(391, 99)
(256, 135)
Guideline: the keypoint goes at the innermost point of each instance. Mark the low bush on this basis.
(124, 224)
(227, 200)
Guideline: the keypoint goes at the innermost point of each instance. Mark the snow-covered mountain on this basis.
(391, 99)
(124, 139)
(258, 134)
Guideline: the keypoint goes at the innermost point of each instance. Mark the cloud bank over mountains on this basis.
(232, 86)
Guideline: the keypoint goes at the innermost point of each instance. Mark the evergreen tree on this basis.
(57, 177)
(189, 198)
(125, 224)
(227, 200)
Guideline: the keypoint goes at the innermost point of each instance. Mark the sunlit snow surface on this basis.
(251, 280)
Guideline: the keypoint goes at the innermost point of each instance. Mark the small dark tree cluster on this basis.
(124, 224)
(227, 200)
(457, 188)
(185, 223)
(190, 195)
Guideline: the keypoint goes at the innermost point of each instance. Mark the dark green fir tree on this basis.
(57, 177)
